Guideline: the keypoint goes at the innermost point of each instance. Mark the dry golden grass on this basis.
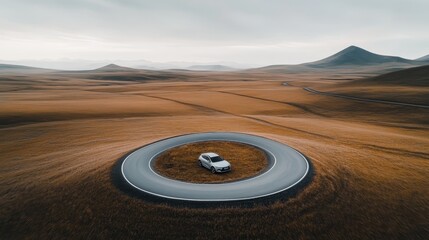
(180, 163)
(60, 141)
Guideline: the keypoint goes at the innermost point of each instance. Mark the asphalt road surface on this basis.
(287, 167)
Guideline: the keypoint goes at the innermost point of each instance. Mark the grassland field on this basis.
(61, 135)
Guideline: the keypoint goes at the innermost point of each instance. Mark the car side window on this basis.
(205, 157)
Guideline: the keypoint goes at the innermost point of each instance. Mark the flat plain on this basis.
(62, 134)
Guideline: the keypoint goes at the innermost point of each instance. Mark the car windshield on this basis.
(216, 159)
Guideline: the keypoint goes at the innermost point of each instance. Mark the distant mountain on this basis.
(16, 69)
(424, 58)
(417, 76)
(210, 68)
(350, 60)
(114, 68)
(356, 56)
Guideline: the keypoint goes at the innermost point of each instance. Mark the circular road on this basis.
(286, 168)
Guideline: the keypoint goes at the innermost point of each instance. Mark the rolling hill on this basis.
(356, 56)
(424, 58)
(417, 76)
(17, 69)
(219, 68)
(114, 68)
(352, 59)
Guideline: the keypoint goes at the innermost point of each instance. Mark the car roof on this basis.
(211, 154)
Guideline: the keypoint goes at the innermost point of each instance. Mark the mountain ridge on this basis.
(211, 67)
(352, 59)
(424, 58)
(354, 55)
(13, 68)
(416, 76)
(114, 68)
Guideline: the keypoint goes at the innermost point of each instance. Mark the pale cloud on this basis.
(249, 31)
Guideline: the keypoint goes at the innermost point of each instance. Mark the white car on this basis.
(214, 162)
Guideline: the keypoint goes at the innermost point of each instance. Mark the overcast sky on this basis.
(246, 31)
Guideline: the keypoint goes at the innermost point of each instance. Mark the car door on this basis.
(206, 161)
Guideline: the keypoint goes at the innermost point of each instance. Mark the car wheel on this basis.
(213, 170)
(199, 163)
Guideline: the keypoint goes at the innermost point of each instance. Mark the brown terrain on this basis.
(181, 163)
(62, 133)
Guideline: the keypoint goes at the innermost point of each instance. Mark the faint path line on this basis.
(265, 122)
(295, 105)
(365, 99)
(397, 151)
